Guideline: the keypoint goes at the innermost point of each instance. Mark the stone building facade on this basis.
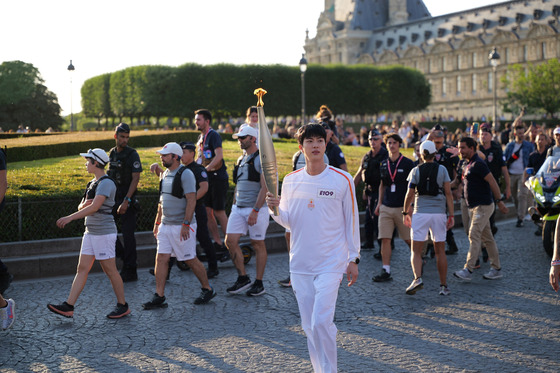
(451, 50)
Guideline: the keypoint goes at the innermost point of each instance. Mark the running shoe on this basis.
(63, 309)
(243, 283)
(444, 290)
(256, 290)
(463, 274)
(156, 302)
(286, 283)
(383, 276)
(415, 286)
(205, 296)
(493, 274)
(120, 310)
(7, 314)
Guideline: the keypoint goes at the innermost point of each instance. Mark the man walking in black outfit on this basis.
(125, 168)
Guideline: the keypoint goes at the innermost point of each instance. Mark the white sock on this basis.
(387, 268)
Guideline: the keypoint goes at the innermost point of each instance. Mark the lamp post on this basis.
(303, 69)
(494, 59)
(70, 69)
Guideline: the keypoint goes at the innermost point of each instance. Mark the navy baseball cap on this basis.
(122, 127)
(373, 133)
(188, 145)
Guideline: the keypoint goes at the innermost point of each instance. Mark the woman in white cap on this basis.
(99, 237)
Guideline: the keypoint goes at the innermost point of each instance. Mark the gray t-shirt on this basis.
(427, 204)
(246, 191)
(173, 208)
(102, 222)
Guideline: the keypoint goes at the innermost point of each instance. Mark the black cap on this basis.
(373, 133)
(437, 127)
(188, 145)
(122, 127)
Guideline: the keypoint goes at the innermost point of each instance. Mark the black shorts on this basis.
(217, 193)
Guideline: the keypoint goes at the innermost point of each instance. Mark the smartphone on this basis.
(474, 129)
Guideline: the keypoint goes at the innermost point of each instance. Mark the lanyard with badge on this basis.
(393, 175)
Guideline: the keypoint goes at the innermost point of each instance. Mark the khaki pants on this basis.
(519, 193)
(480, 232)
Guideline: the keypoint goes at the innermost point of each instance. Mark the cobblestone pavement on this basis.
(507, 325)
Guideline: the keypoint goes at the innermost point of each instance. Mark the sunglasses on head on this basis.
(95, 157)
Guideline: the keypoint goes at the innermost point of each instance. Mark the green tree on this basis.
(24, 99)
(537, 88)
(95, 98)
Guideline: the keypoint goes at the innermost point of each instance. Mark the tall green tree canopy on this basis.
(24, 99)
(227, 90)
(537, 88)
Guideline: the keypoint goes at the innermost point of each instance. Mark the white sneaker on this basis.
(415, 286)
(493, 274)
(463, 274)
(444, 290)
(7, 315)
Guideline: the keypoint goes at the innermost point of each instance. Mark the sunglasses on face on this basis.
(241, 137)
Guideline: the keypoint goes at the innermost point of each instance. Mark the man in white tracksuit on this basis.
(318, 204)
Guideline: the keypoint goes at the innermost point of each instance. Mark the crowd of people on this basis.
(405, 198)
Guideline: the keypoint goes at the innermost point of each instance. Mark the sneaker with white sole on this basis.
(415, 286)
(493, 274)
(444, 290)
(7, 314)
(463, 274)
(243, 283)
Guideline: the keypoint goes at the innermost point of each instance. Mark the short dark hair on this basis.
(310, 130)
(205, 113)
(469, 141)
(393, 136)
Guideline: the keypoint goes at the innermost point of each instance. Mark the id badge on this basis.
(393, 188)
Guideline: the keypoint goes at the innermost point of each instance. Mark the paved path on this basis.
(508, 325)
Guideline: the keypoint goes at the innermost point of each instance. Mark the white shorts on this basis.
(435, 224)
(101, 246)
(169, 242)
(238, 222)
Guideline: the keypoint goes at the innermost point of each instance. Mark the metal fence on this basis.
(23, 220)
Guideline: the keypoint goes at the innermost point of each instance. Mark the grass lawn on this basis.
(67, 176)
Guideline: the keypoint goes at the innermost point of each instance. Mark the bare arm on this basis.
(80, 214)
(212, 166)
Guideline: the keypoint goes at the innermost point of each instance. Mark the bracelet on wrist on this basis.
(555, 263)
(256, 209)
(128, 199)
(157, 223)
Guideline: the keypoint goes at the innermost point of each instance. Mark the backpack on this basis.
(427, 184)
(177, 187)
(92, 187)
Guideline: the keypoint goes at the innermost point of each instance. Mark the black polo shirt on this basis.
(335, 155)
(494, 159)
(476, 190)
(371, 170)
(200, 175)
(536, 160)
(395, 198)
(444, 158)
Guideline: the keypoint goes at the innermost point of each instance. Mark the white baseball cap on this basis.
(246, 131)
(171, 148)
(429, 146)
(98, 154)
(556, 130)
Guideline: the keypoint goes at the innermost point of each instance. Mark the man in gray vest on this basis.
(246, 214)
(175, 225)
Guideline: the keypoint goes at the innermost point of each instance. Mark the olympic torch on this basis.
(266, 150)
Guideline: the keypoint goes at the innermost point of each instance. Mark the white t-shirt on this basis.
(322, 213)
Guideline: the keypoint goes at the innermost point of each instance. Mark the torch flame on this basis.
(259, 92)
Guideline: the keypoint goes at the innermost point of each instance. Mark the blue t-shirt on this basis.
(207, 145)
(394, 196)
(335, 155)
(476, 190)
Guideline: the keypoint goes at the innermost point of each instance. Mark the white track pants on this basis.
(316, 296)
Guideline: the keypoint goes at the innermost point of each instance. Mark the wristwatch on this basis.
(405, 213)
(355, 260)
(186, 222)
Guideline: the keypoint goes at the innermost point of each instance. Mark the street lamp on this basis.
(303, 69)
(494, 59)
(70, 69)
